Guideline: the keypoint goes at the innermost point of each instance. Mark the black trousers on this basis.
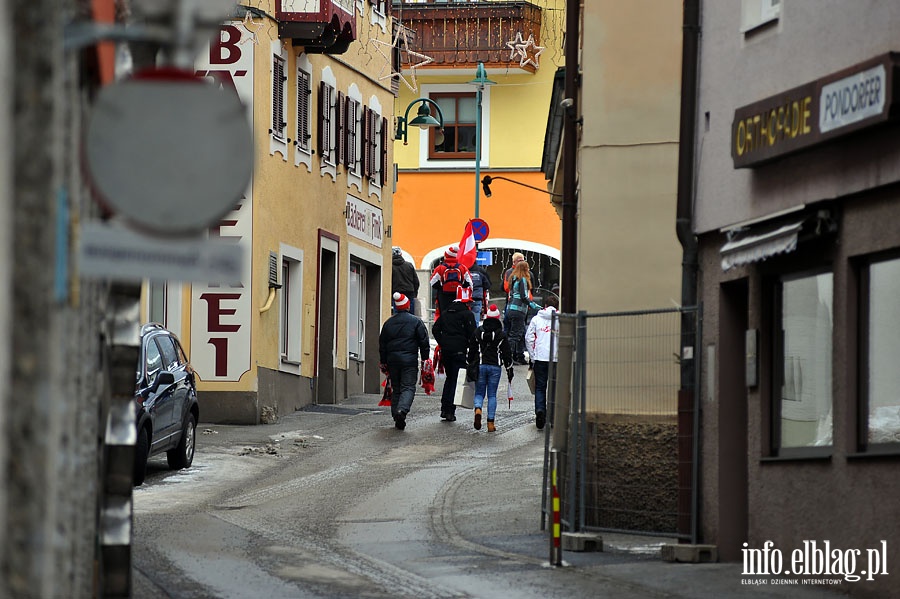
(453, 363)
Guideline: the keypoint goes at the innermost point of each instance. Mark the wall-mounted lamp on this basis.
(487, 180)
(423, 120)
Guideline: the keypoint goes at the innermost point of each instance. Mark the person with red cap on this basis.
(488, 351)
(403, 340)
(453, 331)
(447, 276)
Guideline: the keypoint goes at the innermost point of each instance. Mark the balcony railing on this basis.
(465, 33)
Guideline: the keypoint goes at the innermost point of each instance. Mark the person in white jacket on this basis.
(541, 342)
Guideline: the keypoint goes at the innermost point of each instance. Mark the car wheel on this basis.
(141, 453)
(183, 455)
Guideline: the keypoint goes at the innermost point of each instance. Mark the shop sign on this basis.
(858, 97)
(364, 221)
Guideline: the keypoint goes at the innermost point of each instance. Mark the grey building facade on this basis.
(796, 207)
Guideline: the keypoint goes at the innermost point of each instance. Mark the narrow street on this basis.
(334, 502)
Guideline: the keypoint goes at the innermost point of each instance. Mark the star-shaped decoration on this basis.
(401, 41)
(514, 44)
(529, 51)
(252, 28)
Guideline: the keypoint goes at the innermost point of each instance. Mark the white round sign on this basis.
(171, 153)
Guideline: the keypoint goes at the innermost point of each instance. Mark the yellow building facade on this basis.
(301, 326)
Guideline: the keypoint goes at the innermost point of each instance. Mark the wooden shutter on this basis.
(384, 150)
(339, 144)
(303, 93)
(325, 122)
(278, 79)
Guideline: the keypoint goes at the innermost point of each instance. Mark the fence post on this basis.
(555, 541)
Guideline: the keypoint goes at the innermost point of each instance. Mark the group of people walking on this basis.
(482, 349)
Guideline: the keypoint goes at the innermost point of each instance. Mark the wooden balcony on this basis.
(462, 34)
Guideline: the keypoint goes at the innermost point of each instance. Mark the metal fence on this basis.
(619, 471)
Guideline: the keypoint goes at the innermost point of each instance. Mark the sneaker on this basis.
(450, 418)
(539, 420)
(491, 427)
(477, 419)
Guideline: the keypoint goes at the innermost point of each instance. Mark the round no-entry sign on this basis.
(169, 152)
(480, 230)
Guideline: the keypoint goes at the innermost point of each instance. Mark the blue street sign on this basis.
(480, 230)
(485, 258)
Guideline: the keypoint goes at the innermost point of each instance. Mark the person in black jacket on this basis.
(402, 341)
(404, 279)
(488, 350)
(481, 289)
(453, 331)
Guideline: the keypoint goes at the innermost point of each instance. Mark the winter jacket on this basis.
(538, 336)
(403, 340)
(520, 296)
(454, 329)
(481, 282)
(403, 277)
(489, 345)
(439, 282)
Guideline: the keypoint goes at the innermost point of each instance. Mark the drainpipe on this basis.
(688, 411)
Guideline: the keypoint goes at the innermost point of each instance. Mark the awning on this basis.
(747, 248)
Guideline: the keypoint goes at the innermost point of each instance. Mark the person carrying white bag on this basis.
(539, 339)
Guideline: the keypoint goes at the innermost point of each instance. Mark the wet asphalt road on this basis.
(334, 502)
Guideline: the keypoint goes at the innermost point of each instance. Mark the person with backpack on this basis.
(507, 275)
(541, 345)
(452, 331)
(481, 289)
(446, 277)
(519, 303)
(488, 352)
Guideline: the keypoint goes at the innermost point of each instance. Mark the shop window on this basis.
(802, 393)
(880, 346)
(356, 326)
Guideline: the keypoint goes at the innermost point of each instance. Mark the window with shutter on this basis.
(352, 151)
(366, 141)
(278, 79)
(325, 122)
(340, 145)
(383, 150)
(303, 92)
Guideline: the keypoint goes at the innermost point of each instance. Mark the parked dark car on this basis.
(166, 396)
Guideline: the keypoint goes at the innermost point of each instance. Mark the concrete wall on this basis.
(629, 156)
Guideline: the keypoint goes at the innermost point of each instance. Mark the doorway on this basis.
(326, 323)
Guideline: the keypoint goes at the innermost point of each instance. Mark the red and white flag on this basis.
(468, 251)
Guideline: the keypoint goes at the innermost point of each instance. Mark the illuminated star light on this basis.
(404, 49)
(252, 28)
(530, 52)
(513, 46)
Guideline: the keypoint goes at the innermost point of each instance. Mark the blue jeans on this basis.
(541, 374)
(488, 380)
(477, 306)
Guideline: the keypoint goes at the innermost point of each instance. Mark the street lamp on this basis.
(479, 82)
(423, 120)
(487, 180)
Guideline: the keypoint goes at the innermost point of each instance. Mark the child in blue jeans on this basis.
(488, 351)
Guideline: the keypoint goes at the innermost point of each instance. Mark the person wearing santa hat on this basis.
(403, 340)
(447, 276)
(488, 351)
(452, 331)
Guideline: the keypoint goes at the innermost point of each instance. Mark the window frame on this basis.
(863, 272)
(757, 13)
(772, 411)
(432, 131)
(290, 313)
(425, 161)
